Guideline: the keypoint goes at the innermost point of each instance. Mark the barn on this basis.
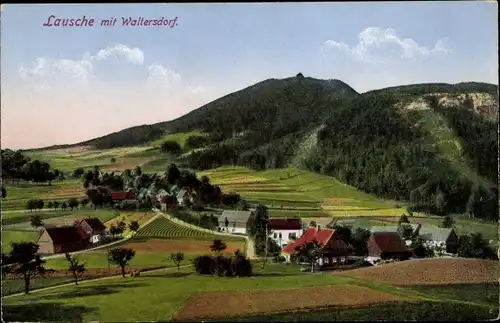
(63, 239)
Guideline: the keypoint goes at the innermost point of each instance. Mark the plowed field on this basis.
(430, 271)
(208, 305)
(185, 246)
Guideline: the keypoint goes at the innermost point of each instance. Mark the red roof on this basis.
(322, 236)
(66, 234)
(285, 224)
(95, 224)
(388, 242)
(120, 196)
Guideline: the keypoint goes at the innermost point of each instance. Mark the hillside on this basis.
(433, 145)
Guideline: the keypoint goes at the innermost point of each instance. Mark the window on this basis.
(275, 235)
(280, 235)
(291, 235)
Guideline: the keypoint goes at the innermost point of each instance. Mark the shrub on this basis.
(238, 266)
(241, 267)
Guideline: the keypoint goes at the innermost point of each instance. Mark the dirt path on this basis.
(250, 252)
(90, 280)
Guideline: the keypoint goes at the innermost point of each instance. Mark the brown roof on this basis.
(66, 234)
(389, 242)
(95, 224)
(285, 224)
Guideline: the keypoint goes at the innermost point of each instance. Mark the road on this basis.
(90, 280)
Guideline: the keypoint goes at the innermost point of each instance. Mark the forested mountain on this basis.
(434, 145)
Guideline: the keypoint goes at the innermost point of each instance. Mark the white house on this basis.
(161, 194)
(182, 196)
(236, 221)
(285, 230)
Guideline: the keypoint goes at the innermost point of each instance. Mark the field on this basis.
(166, 295)
(431, 272)
(162, 227)
(18, 195)
(9, 237)
(202, 305)
(294, 192)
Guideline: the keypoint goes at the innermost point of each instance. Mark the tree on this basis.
(171, 147)
(36, 221)
(112, 160)
(137, 171)
(39, 204)
(440, 201)
(226, 224)
(77, 173)
(72, 203)
(359, 241)
(134, 226)
(311, 251)
(121, 257)
(406, 231)
(76, 268)
(30, 205)
(56, 205)
(313, 224)
(218, 246)
(177, 258)
(26, 261)
(64, 205)
(84, 202)
(50, 205)
(403, 219)
(4, 192)
(447, 222)
(173, 174)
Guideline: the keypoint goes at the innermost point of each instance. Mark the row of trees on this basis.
(72, 203)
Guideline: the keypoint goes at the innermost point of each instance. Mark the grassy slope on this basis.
(447, 143)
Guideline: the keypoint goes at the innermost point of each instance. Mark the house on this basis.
(94, 228)
(161, 194)
(62, 239)
(167, 202)
(182, 196)
(237, 221)
(394, 228)
(285, 230)
(334, 250)
(387, 245)
(444, 239)
(127, 197)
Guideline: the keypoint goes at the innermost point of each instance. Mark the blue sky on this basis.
(135, 75)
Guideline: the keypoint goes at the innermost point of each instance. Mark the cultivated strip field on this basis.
(162, 227)
(293, 192)
(207, 304)
(430, 271)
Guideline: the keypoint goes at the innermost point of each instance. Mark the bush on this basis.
(239, 266)
(242, 267)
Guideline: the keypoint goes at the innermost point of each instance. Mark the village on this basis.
(329, 244)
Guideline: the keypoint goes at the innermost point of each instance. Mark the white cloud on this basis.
(376, 44)
(162, 76)
(133, 54)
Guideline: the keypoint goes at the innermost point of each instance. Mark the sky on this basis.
(66, 84)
